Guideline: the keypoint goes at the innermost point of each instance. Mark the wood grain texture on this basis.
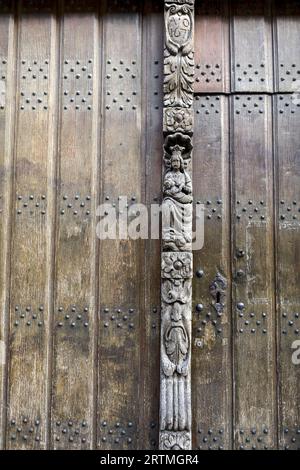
(153, 142)
(212, 362)
(251, 46)
(287, 45)
(121, 269)
(81, 123)
(212, 69)
(72, 408)
(287, 120)
(7, 109)
(253, 273)
(30, 298)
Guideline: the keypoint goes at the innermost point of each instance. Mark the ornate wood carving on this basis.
(218, 292)
(179, 54)
(177, 258)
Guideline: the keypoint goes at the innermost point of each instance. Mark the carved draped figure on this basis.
(177, 211)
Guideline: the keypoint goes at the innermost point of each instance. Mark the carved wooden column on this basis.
(177, 258)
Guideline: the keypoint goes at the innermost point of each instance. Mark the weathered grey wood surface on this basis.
(81, 123)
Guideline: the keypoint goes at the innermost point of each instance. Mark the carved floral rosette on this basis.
(177, 119)
(177, 258)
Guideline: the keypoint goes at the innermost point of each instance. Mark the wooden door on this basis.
(246, 171)
(81, 125)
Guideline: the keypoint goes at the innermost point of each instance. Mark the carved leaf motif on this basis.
(178, 80)
(175, 339)
(178, 56)
(175, 441)
(177, 345)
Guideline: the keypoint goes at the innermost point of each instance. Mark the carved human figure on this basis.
(177, 205)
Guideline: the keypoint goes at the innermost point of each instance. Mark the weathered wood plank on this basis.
(75, 305)
(251, 46)
(212, 366)
(287, 45)
(212, 71)
(253, 273)
(152, 67)
(30, 298)
(121, 263)
(7, 109)
(287, 141)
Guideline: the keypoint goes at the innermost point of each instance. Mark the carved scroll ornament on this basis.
(175, 441)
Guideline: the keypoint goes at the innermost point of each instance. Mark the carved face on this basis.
(176, 312)
(176, 161)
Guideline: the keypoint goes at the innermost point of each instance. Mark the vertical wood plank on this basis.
(121, 270)
(251, 46)
(253, 264)
(75, 303)
(287, 45)
(287, 113)
(212, 366)
(152, 70)
(212, 71)
(30, 298)
(7, 109)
